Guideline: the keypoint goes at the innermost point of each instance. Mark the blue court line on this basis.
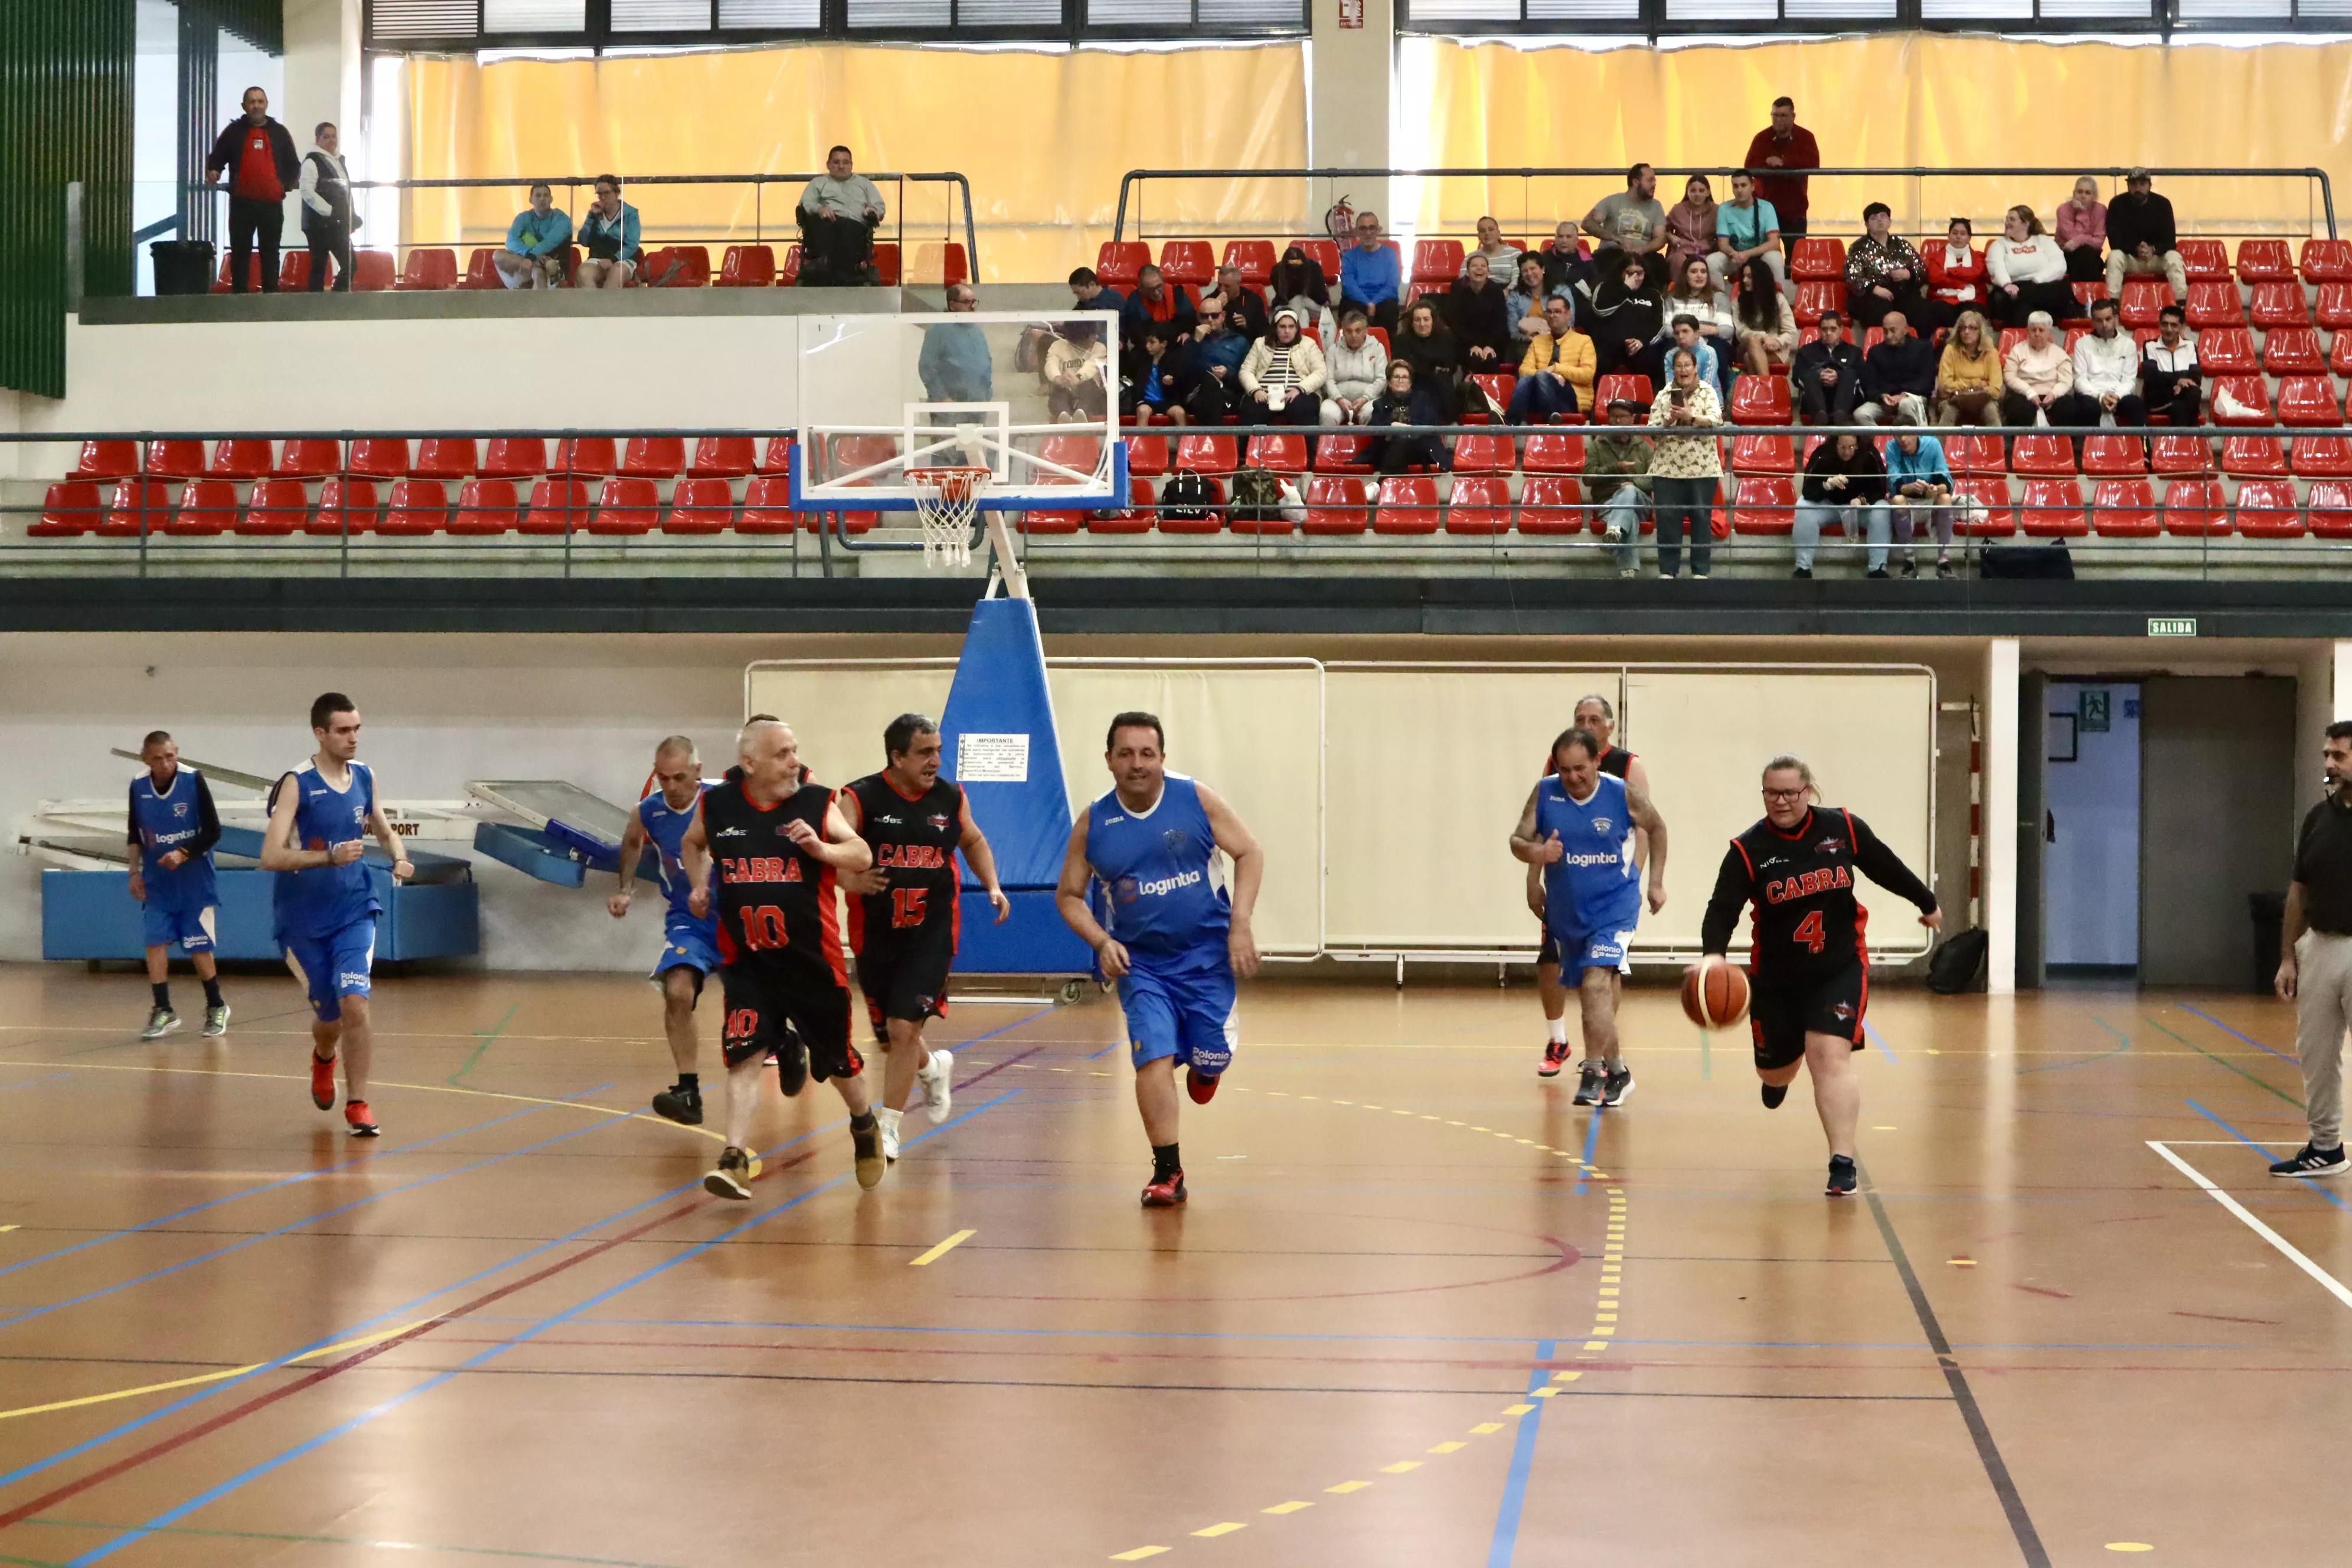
(283, 1181)
(1591, 1138)
(1523, 1458)
(2307, 1185)
(390, 1314)
(1876, 1039)
(2123, 1045)
(30, 1082)
(213, 1494)
(2248, 1038)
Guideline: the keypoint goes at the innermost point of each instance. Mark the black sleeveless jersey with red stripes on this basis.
(1614, 761)
(914, 842)
(775, 901)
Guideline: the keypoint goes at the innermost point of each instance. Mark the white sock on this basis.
(931, 1067)
(1557, 1028)
(888, 1118)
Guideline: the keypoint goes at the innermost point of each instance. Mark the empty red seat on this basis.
(2228, 351)
(427, 268)
(1407, 504)
(653, 457)
(1479, 506)
(379, 458)
(1118, 260)
(2250, 395)
(2278, 305)
(689, 266)
(788, 275)
(1188, 261)
(2265, 261)
(175, 459)
(768, 506)
(2333, 307)
(1553, 452)
(514, 457)
(2326, 261)
(372, 271)
(626, 505)
(2267, 509)
(1335, 504)
(482, 271)
(312, 459)
(748, 266)
(557, 506)
(107, 460)
(2213, 305)
(2205, 260)
(1761, 400)
(252, 274)
(2124, 509)
(590, 454)
(2142, 298)
(445, 457)
(777, 456)
(1205, 454)
(294, 272)
(2290, 350)
(2043, 453)
(2308, 400)
(1768, 455)
(1977, 453)
(70, 507)
(1992, 516)
(206, 507)
(1766, 504)
(2328, 510)
(1482, 453)
(2322, 457)
(1816, 294)
(1817, 257)
(277, 507)
(346, 506)
(1253, 260)
(2183, 454)
(2194, 508)
(137, 507)
(1342, 453)
(885, 271)
(1437, 261)
(419, 506)
(2252, 457)
(485, 507)
(1211, 523)
(1553, 504)
(1147, 455)
(720, 457)
(2052, 509)
(2114, 455)
(1280, 452)
(241, 457)
(1609, 388)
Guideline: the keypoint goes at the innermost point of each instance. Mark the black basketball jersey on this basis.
(1614, 761)
(914, 841)
(774, 899)
(1806, 921)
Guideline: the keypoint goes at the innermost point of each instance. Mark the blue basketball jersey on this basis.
(167, 822)
(323, 900)
(1164, 872)
(666, 827)
(1594, 885)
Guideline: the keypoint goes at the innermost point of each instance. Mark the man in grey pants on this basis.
(2316, 971)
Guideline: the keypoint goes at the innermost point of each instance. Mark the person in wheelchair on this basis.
(839, 211)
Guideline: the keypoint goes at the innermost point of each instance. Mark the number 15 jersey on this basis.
(775, 901)
(914, 841)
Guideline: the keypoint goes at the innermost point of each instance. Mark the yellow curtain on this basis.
(1889, 99)
(1043, 139)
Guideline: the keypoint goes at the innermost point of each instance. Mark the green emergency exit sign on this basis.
(2179, 626)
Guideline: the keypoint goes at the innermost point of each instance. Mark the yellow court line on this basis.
(1138, 1555)
(1285, 1507)
(1216, 1529)
(941, 1250)
(220, 1376)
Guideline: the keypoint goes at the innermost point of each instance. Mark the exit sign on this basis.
(2181, 627)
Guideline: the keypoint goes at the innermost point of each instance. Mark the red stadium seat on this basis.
(2265, 261)
(419, 506)
(1609, 388)
(776, 456)
(175, 459)
(207, 507)
(1188, 261)
(1481, 453)
(1211, 523)
(2228, 351)
(1480, 505)
(626, 506)
(2052, 509)
(1135, 517)
(2124, 509)
(2041, 453)
(1994, 517)
(514, 457)
(2329, 509)
(557, 506)
(2278, 305)
(1324, 252)
(2114, 455)
(2194, 508)
(1496, 387)
(1253, 260)
(1407, 504)
(2326, 261)
(1205, 454)
(2333, 308)
(427, 268)
(2321, 457)
(2308, 400)
(2205, 260)
(346, 506)
(1344, 454)
(1768, 455)
(137, 507)
(276, 507)
(1761, 400)
(745, 267)
(252, 274)
(481, 271)
(107, 460)
(1437, 261)
(1981, 453)
(2213, 305)
(2142, 298)
(1280, 453)
(651, 263)
(2267, 509)
(309, 459)
(653, 457)
(379, 458)
(2086, 291)
(1552, 504)
(2252, 457)
(693, 267)
(1817, 257)
(1117, 262)
(443, 458)
(1815, 296)
(885, 271)
(2251, 391)
(1270, 522)
(241, 457)
(294, 273)
(2291, 351)
(1765, 505)
(720, 457)
(1045, 520)
(788, 275)
(70, 507)
(1553, 452)
(2181, 455)
(2009, 338)
(485, 507)
(591, 455)
(768, 506)
(1147, 455)
(372, 271)
(1335, 504)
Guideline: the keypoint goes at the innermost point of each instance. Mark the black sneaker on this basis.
(680, 1104)
(1910, 569)
(1802, 573)
(1774, 1093)
(1842, 1177)
(1946, 570)
(1616, 1085)
(1877, 574)
(2311, 1162)
(1591, 1082)
(867, 1142)
(792, 1064)
(733, 1177)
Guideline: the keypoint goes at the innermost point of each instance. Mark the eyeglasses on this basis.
(1784, 795)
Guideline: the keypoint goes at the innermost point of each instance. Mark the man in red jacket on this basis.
(1784, 144)
(258, 154)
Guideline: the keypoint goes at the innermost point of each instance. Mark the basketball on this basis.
(1714, 994)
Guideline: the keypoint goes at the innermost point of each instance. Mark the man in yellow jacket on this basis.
(1556, 376)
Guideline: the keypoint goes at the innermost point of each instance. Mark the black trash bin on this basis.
(182, 265)
(2270, 914)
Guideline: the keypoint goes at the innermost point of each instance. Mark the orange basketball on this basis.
(1714, 994)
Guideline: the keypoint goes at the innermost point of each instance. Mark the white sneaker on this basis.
(1614, 535)
(889, 1122)
(937, 1077)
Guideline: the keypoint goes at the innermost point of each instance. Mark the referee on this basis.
(2315, 965)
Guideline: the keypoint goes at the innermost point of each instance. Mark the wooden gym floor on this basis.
(1392, 1327)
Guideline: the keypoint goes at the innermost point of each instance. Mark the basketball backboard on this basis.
(881, 395)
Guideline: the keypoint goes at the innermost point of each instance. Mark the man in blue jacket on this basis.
(1371, 278)
(1215, 392)
(954, 362)
(536, 241)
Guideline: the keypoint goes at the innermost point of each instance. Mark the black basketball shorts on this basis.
(906, 980)
(763, 996)
(1782, 1012)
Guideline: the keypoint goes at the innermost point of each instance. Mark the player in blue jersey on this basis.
(1178, 935)
(326, 903)
(172, 830)
(1579, 825)
(689, 945)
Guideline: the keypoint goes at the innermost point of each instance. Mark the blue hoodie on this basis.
(1926, 463)
(531, 234)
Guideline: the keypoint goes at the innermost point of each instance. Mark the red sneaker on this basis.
(1202, 1090)
(1166, 1195)
(355, 1112)
(1554, 1057)
(323, 1082)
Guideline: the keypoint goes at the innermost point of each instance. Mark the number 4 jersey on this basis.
(1808, 922)
(775, 901)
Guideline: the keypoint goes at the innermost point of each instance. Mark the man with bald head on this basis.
(777, 840)
(690, 944)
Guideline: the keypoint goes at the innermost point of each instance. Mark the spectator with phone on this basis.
(608, 233)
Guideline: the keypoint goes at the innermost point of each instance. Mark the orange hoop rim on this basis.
(953, 484)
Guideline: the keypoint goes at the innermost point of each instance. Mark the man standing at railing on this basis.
(258, 154)
(1784, 144)
(839, 211)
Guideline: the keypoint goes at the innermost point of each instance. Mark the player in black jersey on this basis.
(1808, 965)
(903, 918)
(778, 839)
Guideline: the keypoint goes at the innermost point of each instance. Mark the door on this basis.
(2217, 821)
(2091, 858)
(2032, 774)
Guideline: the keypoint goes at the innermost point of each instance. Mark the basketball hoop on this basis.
(946, 501)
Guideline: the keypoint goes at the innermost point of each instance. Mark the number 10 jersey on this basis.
(775, 901)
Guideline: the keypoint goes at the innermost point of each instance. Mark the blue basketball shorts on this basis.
(1187, 1013)
(334, 966)
(1578, 951)
(687, 943)
(192, 929)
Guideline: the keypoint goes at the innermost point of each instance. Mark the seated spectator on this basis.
(1502, 258)
(1355, 371)
(1370, 277)
(1092, 293)
(1524, 305)
(2083, 231)
(839, 211)
(1746, 229)
(1214, 394)
(608, 234)
(1779, 147)
(1297, 281)
(1147, 375)
(1685, 469)
(1556, 376)
(1691, 229)
(2141, 241)
(1617, 482)
(1956, 269)
(2170, 380)
(533, 254)
(1695, 292)
(1968, 376)
(1898, 376)
(1404, 403)
(1845, 486)
(2027, 271)
(1764, 324)
(1630, 221)
(1624, 315)
(2035, 375)
(1883, 272)
(327, 217)
(1283, 375)
(1565, 264)
(1246, 304)
(1425, 343)
(1076, 366)
(954, 362)
(2107, 376)
(1683, 336)
(1479, 321)
(1826, 376)
(1919, 494)
(1156, 300)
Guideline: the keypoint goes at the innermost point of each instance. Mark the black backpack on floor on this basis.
(1958, 964)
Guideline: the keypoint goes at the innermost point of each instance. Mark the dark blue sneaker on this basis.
(1842, 1177)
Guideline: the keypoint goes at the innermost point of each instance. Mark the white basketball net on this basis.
(946, 501)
